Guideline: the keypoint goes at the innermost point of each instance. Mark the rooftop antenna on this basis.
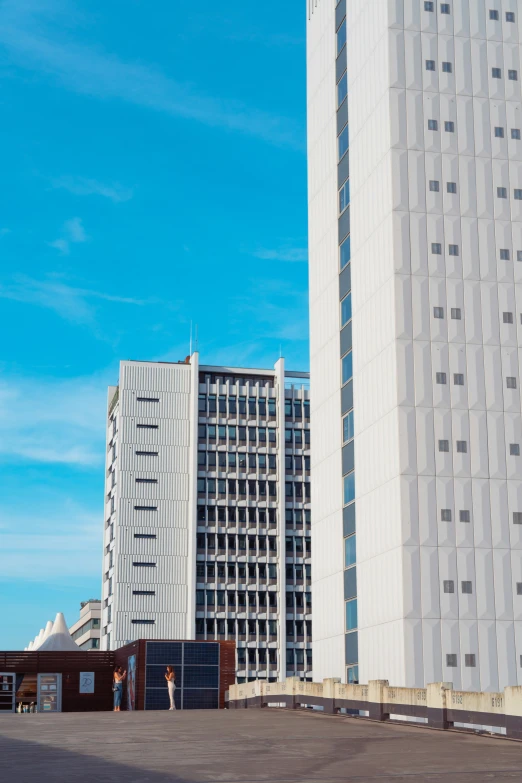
(280, 351)
(196, 349)
(190, 343)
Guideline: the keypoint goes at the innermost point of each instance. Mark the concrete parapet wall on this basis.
(438, 703)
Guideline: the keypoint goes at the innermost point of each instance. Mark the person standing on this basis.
(117, 686)
(170, 676)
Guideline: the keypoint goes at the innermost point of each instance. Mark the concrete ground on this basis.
(250, 746)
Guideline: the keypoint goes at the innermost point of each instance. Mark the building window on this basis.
(343, 142)
(147, 399)
(449, 127)
(458, 379)
(447, 68)
(341, 37)
(501, 192)
(496, 73)
(449, 586)
(445, 8)
(146, 481)
(147, 453)
(451, 187)
(347, 368)
(515, 134)
(348, 430)
(346, 310)
(438, 312)
(345, 253)
(467, 588)
(518, 194)
(344, 196)
(456, 313)
(342, 89)
(349, 488)
(470, 661)
(436, 248)
(507, 318)
(519, 255)
(445, 515)
(145, 535)
(433, 125)
(513, 76)
(351, 614)
(517, 517)
(519, 588)
(499, 133)
(493, 15)
(145, 508)
(349, 551)
(428, 5)
(504, 254)
(147, 426)
(453, 250)
(464, 515)
(443, 445)
(430, 65)
(462, 447)
(440, 377)
(143, 622)
(511, 382)
(144, 565)
(451, 660)
(510, 16)
(434, 185)
(514, 449)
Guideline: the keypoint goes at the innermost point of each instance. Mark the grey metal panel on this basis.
(350, 583)
(349, 520)
(340, 13)
(347, 398)
(351, 647)
(346, 339)
(343, 169)
(344, 225)
(348, 461)
(345, 281)
(340, 65)
(342, 118)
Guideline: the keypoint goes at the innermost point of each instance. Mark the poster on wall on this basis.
(86, 682)
(131, 682)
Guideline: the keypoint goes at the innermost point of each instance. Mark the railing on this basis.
(438, 705)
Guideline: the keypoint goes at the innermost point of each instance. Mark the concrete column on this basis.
(376, 698)
(437, 704)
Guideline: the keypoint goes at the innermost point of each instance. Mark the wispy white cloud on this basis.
(73, 233)
(36, 33)
(282, 254)
(81, 186)
(71, 303)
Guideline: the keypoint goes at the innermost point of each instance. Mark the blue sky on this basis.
(152, 173)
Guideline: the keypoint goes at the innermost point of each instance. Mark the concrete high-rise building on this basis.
(86, 631)
(415, 214)
(207, 524)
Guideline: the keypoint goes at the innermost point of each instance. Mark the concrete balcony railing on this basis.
(438, 704)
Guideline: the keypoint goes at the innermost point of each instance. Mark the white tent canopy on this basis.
(39, 639)
(59, 640)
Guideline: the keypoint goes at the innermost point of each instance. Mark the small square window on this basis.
(513, 76)
(451, 187)
(470, 661)
(458, 379)
(518, 194)
(445, 515)
(517, 517)
(464, 515)
(434, 185)
(445, 8)
(433, 125)
(496, 73)
(453, 250)
(519, 588)
(507, 318)
(504, 254)
(499, 132)
(441, 377)
(467, 588)
(451, 660)
(443, 445)
(456, 313)
(511, 382)
(430, 65)
(438, 312)
(449, 586)
(514, 449)
(436, 248)
(447, 68)
(519, 255)
(449, 127)
(494, 15)
(501, 192)
(428, 5)
(515, 133)
(510, 16)
(462, 447)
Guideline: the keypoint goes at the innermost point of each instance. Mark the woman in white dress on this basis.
(170, 676)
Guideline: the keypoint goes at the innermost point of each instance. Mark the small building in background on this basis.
(86, 630)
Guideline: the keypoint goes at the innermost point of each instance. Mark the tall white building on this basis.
(415, 212)
(207, 523)
(86, 631)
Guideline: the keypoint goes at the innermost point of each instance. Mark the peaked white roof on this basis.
(48, 630)
(29, 646)
(59, 640)
(39, 639)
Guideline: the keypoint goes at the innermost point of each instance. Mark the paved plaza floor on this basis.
(250, 746)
